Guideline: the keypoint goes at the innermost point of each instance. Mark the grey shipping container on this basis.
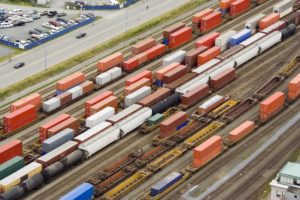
(165, 183)
(165, 104)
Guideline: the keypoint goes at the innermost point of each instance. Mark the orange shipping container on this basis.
(272, 104)
(155, 97)
(33, 99)
(96, 99)
(111, 101)
(137, 85)
(110, 62)
(198, 16)
(70, 81)
(170, 124)
(87, 86)
(139, 76)
(155, 51)
(207, 40)
(269, 20)
(141, 58)
(211, 21)
(224, 4)
(241, 131)
(180, 37)
(143, 46)
(160, 73)
(171, 29)
(72, 123)
(208, 55)
(294, 88)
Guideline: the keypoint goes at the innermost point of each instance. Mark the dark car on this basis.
(19, 65)
(62, 20)
(80, 35)
(18, 23)
(38, 30)
(44, 13)
(33, 32)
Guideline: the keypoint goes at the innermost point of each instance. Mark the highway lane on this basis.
(68, 46)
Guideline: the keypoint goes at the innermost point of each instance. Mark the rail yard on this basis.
(168, 117)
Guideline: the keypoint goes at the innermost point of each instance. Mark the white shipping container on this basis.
(192, 84)
(115, 72)
(136, 96)
(286, 12)
(202, 68)
(99, 117)
(135, 120)
(95, 144)
(76, 92)
(252, 23)
(269, 40)
(124, 113)
(223, 40)
(252, 39)
(283, 6)
(92, 132)
(103, 78)
(226, 64)
(178, 57)
(246, 54)
(51, 104)
(211, 101)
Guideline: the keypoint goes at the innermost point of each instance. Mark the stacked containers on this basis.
(173, 123)
(11, 166)
(137, 95)
(108, 76)
(274, 27)
(294, 88)
(87, 87)
(137, 85)
(238, 7)
(195, 95)
(63, 98)
(139, 76)
(284, 7)
(180, 81)
(180, 37)
(124, 113)
(69, 82)
(109, 62)
(268, 20)
(252, 39)
(171, 29)
(192, 56)
(53, 103)
(155, 51)
(192, 84)
(211, 104)
(207, 40)
(241, 131)
(33, 99)
(160, 73)
(209, 65)
(155, 97)
(198, 16)
(229, 52)
(207, 151)
(208, 55)
(99, 117)
(252, 23)
(93, 101)
(177, 57)
(71, 123)
(92, 132)
(221, 79)
(19, 118)
(111, 101)
(271, 106)
(143, 46)
(211, 21)
(240, 37)
(224, 6)
(223, 40)
(10, 150)
(175, 74)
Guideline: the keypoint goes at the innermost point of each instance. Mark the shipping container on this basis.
(195, 95)
(131, 64)
(180, 37)
(143, 46)
(177, 57)
(268, 20)
(245, 55)
(71, 122)
(57, 140)
(192, 56)
(160, 73)
(219, 68)
(76, 92)
(170, 124)
(11, 166)
(58, 153)
(252, 23)
(192, 84)
(225, 4)
(137, 85)
(111, 101)
(238, 7)
(70, 81)
(277, 26)
(174, 74)
(223, 40)
(207, 151)
(230, 52)
(139, 76)
(208, 65)
(99, 117)
(240, 37)
(136, 96)
(115, 72)
(211, 21)
(241, 131)
(155, 51)
(89, 103)
(86, 135)
(222, 79)
(198, 16)
(171, 29)
(165, 183)
(272, 105)
(87, 87)
(155, 97)
(33, 99)
(85, 191)
(109, 62)
(108, 76)
(208, 55)
(155, 119)
(64, 99)
(43, 129)
(10, 150)
(207, 40)
(19, 118)
(211, 104)
(294, 88)
(52, 104)
(252, 39)
(165, 104)
(124, 113)
(269, 40)
(284, 7)
(180, 81)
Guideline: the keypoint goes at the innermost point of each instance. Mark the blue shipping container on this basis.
(57, 140)
(159, 83)
(165, 41)
(83, 192)
(181, 125)
(165, 183)
(240, 37)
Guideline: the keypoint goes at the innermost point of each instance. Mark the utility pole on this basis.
(45, 51)
(126, 18)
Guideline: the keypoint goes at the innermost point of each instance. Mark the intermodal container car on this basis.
(207, 40)
(238, 7)
(177, 57)
(130, 64)
(33, 99)
(211, 21)
(165, 183)
(173, 123)
(195, 95)
(223, 40)
(241, 131)
(272, 105)
(89, 103)
(64, 98)
(268, 20)
(87, 86)
(10, 150)
(225, 4)
(99, 117)
(71, 123)
(230, 52)
(180, 37)
(240, 37)
(171, 29)
(155, 51)
(124, 113)
(294, 88)
(137, 85)
(136, 96)
(111, 61)
(11, 166)
(198, 16)
(192, 56)
(70, 81)
(84, 191)
(155, 97)
(220, 80)
(175, 74)
(211, 104)
(208, 55)
(143, 46)
(160, 73)
(274, 27)
(111, 101)
(139, 76)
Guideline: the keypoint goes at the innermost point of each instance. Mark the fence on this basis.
(110, 7)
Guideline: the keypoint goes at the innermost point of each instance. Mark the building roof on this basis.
(291, 170)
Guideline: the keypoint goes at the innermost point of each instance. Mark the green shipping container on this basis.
(11, 166)
(155, 119)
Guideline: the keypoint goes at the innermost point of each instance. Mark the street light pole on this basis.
(126, 18)
(45, 58)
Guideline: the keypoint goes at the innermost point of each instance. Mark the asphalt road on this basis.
(68, 46)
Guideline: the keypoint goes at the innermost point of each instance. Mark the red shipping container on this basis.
(238, 7)
(222, 79)
(294, 88)
(111, 101)
(195, 95)
(180, 37)
(211, 21)
(175, 74)
(71, 122)
(10, 150)
(139, 76)
(156, 51)
(141, 58)
(33, 99)
(207, 40)
(207, 151)
(198, 16)
(268, 20)
(89, 103)
(70, 81)
(19, 118)
(208, 55)
(272, 105)
(87, 86)
(225, 4)
(241, 131)
(170, 124)
(64, 98)
(143, 46)
(111, 61)
(155, 97)
(130, 64)
(160, 73)
(171, 29)
(180, 81)
(137, 85)
(191, 57)
(43, 129)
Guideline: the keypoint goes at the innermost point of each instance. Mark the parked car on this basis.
(6, 25)
(54, 23)
(5, 37)
(38, 30)
(46, 25)
(43, 13)
(80, 35)
(19, 65)
(61, 14)
(52, 13)
(33, 32)
(26, 20)
(35, 17)
(18, 23)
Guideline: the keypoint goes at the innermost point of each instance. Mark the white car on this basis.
(47, 25)
(6, 25)
(26, 20)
